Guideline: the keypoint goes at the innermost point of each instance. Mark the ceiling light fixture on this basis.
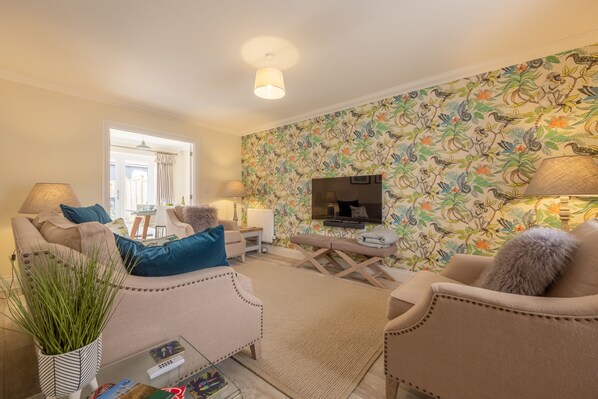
(143, 146)
(269, 82)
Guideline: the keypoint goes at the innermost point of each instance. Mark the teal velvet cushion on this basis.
(94, 213)
(199, 251)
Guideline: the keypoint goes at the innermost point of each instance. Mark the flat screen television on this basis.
(353, 198)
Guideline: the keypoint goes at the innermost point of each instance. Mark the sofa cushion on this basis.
(198, 251)
(344, 207)
(581, 276)
(411, 291)
(200, 217)
(90, 238)
(530, 262)
(118, 226)
(94, 213)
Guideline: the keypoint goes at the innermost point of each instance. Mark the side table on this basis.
(253, 237)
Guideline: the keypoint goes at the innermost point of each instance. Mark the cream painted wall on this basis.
(52, 137)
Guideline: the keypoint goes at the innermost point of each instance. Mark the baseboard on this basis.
(283, 251)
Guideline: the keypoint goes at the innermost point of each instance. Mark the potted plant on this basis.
(64, 304)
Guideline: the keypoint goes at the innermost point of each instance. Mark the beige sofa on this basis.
(234, 241)
(214, 309)
(451, 340)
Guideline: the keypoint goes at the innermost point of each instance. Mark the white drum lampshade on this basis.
(269, 83)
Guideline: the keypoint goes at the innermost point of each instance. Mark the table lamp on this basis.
(331, 199)
(564, 177)
(48, 197)
(234, 189)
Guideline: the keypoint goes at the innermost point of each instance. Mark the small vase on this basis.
(68, 373)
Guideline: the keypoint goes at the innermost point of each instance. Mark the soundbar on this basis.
(348, 224)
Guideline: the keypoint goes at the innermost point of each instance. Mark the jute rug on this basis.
(321, 333)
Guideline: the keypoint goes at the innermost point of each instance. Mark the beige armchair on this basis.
(234, 241)
(448, 339)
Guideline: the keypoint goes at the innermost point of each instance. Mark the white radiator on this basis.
(263, 218)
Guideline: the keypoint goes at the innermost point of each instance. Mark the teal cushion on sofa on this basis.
(94, 213)
(199, 251)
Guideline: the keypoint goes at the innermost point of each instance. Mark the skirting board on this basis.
(398, 274)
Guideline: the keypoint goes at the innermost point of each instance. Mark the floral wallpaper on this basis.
(455, 158)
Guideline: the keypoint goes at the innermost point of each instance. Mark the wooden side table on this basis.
(253, 238)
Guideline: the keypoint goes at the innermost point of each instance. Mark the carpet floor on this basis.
(321, 333)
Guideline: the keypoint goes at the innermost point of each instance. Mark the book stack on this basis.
(129, 389)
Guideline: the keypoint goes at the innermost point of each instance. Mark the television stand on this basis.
(348, 224)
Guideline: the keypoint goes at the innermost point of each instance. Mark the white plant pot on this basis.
(67, 373)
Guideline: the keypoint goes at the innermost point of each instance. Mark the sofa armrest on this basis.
(467, 342)
(466, 269)
(207, 307)
(229, 224)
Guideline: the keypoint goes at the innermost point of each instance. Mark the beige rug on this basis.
(321, 333)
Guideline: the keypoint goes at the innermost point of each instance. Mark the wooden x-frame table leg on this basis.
(360, 268)
(311, 257)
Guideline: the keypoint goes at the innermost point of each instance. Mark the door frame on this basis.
(108, 124)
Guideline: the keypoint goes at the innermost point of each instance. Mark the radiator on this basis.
(263, 218)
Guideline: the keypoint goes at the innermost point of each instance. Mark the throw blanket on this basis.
(377, 238)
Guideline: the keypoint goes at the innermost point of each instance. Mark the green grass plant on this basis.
(63, 304)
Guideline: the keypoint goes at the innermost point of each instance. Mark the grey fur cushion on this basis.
(530, 262)
(200, 217)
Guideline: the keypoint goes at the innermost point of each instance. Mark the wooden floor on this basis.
(18, 366)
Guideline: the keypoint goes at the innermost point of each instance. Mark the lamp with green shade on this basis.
(565, 177)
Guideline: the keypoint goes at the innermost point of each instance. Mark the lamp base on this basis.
(235, 217)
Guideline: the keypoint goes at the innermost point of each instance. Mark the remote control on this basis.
(165, 366)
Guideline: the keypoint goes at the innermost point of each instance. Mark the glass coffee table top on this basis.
(135, 368)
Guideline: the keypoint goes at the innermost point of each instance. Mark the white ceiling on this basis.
(196, 59)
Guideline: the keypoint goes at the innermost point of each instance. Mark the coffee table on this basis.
(134, 367)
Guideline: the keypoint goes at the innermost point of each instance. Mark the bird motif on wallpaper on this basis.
(505, 120)
(394, 136)
(441, 230)
(588, 60)
(531, 141)
(590, 92)
(464, 115)
(591, 150)
(441, 162)
(462, 183)
(410, 217)
(504, 197)
(445, 95)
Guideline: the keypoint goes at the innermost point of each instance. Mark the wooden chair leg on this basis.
(256, 350)
(392, 388)
(135, 228)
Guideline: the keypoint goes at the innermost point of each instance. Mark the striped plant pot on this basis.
(69, 372)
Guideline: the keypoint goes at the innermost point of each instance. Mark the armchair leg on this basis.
(243, 258)
(392, 388)
(256, 350)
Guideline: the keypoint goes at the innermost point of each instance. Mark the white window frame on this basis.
(107, 125)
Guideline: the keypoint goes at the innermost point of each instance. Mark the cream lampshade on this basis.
(48, 197)
(564, 177)
(269, 83)
(235, 189)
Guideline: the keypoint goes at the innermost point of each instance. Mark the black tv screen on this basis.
(355, 198)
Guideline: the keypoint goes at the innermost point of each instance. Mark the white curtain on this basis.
(165, 183)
